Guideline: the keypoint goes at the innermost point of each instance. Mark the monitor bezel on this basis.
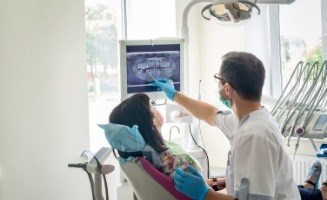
(123, 65)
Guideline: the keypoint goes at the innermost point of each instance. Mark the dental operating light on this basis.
(235, 12)
(275, 1)
(229, 12)
(226, 12)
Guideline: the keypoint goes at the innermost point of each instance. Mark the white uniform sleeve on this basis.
(226, 121)
(255, 159)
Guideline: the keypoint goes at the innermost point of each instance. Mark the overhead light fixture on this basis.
(275, 1)
(229, 12)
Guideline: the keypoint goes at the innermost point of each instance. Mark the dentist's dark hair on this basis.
(136, 110)
(245, 72)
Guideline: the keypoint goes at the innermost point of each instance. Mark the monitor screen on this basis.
(145, 60)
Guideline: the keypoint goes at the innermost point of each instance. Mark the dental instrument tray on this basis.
(322, 151)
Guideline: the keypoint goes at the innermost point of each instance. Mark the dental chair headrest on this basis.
(123, 138)
(129, 143)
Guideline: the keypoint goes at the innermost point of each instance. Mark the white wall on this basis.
(216, 40)
(43, 103)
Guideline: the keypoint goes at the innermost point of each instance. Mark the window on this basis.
(103, 30)
(145, 19)
(150, 19)
(102, 26)
(301, 34)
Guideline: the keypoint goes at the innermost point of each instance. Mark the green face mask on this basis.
(226, 102)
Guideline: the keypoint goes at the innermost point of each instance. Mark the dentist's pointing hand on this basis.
(167, 86)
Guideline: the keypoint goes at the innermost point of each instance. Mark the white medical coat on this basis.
(258, 154)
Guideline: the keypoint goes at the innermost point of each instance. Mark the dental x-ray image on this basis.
(147, 62)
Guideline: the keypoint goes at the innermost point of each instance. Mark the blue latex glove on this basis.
(167, 86)
(191, 183)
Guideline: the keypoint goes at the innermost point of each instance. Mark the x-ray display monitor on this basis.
(145, 60)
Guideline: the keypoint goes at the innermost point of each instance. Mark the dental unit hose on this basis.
(302, 98)
(204, 151)
(281, 100)
(199, 98)
(304, 94)
(311, 107)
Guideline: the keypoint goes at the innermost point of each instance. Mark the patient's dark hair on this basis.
(136, 111)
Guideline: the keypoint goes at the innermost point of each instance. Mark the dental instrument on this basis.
(150, 75)
(301, 108)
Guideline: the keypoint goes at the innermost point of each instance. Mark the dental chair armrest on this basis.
(163, 180)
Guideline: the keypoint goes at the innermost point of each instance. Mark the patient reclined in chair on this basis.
(148, 182)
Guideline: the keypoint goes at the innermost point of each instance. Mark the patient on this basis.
(165, 156)
(307, 190)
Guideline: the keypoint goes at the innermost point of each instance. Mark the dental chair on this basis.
(148, 183)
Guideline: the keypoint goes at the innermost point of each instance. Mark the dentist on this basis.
(258, 165)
